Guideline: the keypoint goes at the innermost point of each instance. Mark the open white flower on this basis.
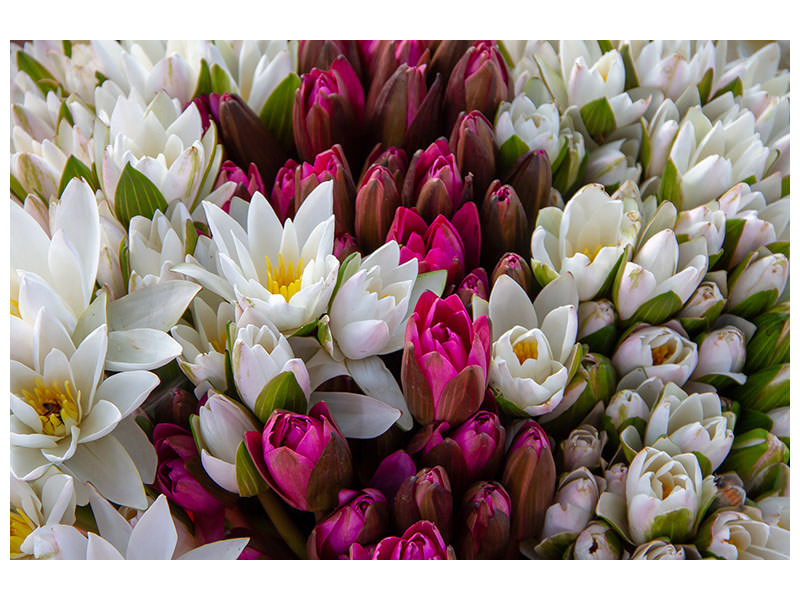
(36, 508)
(659, 352)
(64, 412)
(538, 126)
(153, 537)
(587, 239)
(742, 535)
(534, 349)
(672, 66)
(284, 273)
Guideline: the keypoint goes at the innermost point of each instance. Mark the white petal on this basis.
(223, 473)
(127, 390)
(110, 523)
(99, 549)
(70, 542)
(509, 305)
(137, 309)
(316, 209)
(140, 349)
(154, 537)
(101, 421)
(372, 376)
(358, 416)
(221, 550)
(138, 446)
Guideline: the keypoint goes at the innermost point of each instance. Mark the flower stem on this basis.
(283, 522)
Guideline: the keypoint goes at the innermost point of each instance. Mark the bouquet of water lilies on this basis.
(399, 300)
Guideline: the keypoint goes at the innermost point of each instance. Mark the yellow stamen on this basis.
(54, 407)
(591, 253)
(15, 308)
(284, 280)
(525, 350)
(660, 353)
(218, 345)
(21, 527)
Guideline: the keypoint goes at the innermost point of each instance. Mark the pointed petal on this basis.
(155, 536)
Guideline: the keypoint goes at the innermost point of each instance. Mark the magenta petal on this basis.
(438, 371)
(289, 475)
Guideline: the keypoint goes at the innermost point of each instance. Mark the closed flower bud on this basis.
(175, 406)
(344, 245)
(305, 459)
(720, 356)
(753, 454)
(247, 184)
(531, 176)
(421, 541)
(624, 406)
(282, 196)
(479, 81)
(597, 325)
(517, 268)
(385, 56)
(597, 541)
(742, 535)
(529, 477)
(446, 53)
(328, 109)
(503, 222)
(245, 138)
(658, 550)
(770, 344)
(473, 144)
(391, 473)
(393, 159)
(576, 498)
(756, 284)
(485, 522)
(702, 308)
(376, 201)
(426, 495)
(765, 389)
(615, 477)
(328, 165)
(475, 283)
(321, 54)
(362, 517)
(780, 421)
(433, 182)
(583, 448)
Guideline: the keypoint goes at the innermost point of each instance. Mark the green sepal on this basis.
(510, 151)
(125, 262)
(675, 525)
(645, 149)
(508, 407)
(773, 480)
(785, 187)
(670, 188)
(631, 80)
(346, 270)
(705, 464)
(203, 86)
(190, 237)
(248, 478)
(282, 392)
(194, 427)
(17, 189)
(618, 267)
(66, 45)
(603, 340)
(779, 248)
(749, 180)
(755, 304)
(221, 82)
(605, 46)
(734, 86)
(230, 382)
(41, 76)
(765, 389)
(145, 425)
(543, 273)
(64, 113)
(553, 547)
(136, 195)
(598, 117)
(75, 168)
(657, 310)
(100, 78)
(562, 154)
(733, 231)
(277, 111)
(752, 419)
(718, 380)
(770, 343)
(506, 55)
(307, 329)
(704, 85)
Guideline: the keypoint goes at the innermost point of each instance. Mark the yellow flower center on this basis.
(15, 308)
(218, 345)
(54, 406)
(21, 527)
(525, 350)
(590, 252)
(285, 279)
(660, 353)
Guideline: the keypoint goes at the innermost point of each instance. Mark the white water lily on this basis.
(594, 316)
(658, 352)
(153, 537)
(586, 239)
(742, 535)
(64, 412)
(583, 447)
(767, 272)
(219, 428)
(534, 349)
(284, 273)
(721, 352)
(538, 127)
(36, 508)
(672, 66)
(260, 353)
(161, 140)
(664, 496)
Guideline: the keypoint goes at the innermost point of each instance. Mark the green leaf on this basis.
(755, 304)
(136, 195)
(510, 151)
(67, 46)
(247, 476)
(203, 86)
(190, 236)
(221, 82)
(41, 76)
(64, 113)
(277, 112)
(17, 189)
(658, 309)
(670, 188)
(765, 390)
(603, 340)
(282, 392)
(75, 168)
(785, 186)
(605, 46)
(598, 117)
(645, 151)
(704, 85)
(734, 86)
(631, 81)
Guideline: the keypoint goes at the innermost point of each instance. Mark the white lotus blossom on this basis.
(539, 127)
(659, 352)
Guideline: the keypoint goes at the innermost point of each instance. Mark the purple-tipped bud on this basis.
(445, 360)
(245, 138)
(532, 179)
(425, 495)
(328, 165)
(174, 406)
(433, 182)
(421, 541)
(446, 54)
(468, 224)
(394, 159)
(321, 54)
(473, 144)
(386, 56)
(391, 473)
(530, 479)
(485, 522)
(328, 109)
(208, 107)
(362, 517)
(247, 184)
(503, 223)
(344, 245)
(306, 459)
(282, 197)
(479, 81)
(377, 200)
(517, 268)
(475, 283)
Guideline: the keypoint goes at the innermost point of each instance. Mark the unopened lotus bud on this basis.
(576, 498)
(393, 159)
(597, 325)
(503, 223)
(597, 542)
(756, 284)
(770, 344)
(247, 183)
(624, 406)
(344, 245)
(615, 477)
(754, 452)
(740, 535)
(485, 522)
(421, 541)
(391, 473)
(245, 138)
(530, 479)
(282, 197)
(433, 182)
(475, 283)
(321, 54)
(780, 422)
(329, 165)
(658, 550)
(385, 57)
(362, 517)
(426, 495)
(445, 56)
(517, 268)
(532, 178)
(376, 201)
(473, 144)
(702, 308)
(720, 357)
(479, 81)
(583, 448)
